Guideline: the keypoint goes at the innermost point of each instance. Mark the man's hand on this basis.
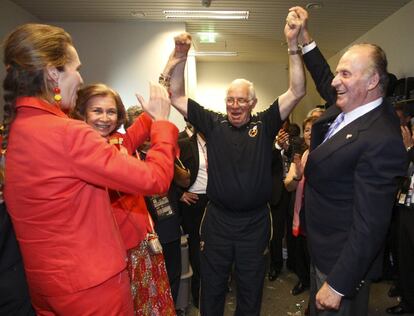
(158, 106)
(189, 198)
(302, 15)
(327, 299)
(407, 137)
(179, 54)
(182, 45)
(292, 29)
(282, 139)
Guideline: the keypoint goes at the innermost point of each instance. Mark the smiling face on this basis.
(101, 113)
(356, 82)
(70, 80)
(307, 132)
(239, 103)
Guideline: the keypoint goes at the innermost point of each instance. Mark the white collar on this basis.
(361, 110)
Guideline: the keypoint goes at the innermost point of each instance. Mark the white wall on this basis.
(10, 16)
(395, 36)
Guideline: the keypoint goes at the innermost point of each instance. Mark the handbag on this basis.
(149, 280)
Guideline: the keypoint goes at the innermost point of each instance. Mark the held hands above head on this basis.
(302, 15)
(292, 29)
(296, 90)
(158, 106)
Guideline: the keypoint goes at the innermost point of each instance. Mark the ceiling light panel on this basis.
(216, 54)
(206, 14)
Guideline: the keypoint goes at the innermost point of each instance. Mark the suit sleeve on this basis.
(93, 160)
(321, 74)
(375, 183)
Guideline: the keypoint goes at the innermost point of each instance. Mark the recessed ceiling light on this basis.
(206, 14)
(216, 54)
(207, 37)
(137, 14)
(314, 5)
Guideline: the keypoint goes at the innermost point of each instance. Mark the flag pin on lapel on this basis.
(348, 136)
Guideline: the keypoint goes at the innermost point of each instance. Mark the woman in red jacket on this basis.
(57, 171)
(102, 108)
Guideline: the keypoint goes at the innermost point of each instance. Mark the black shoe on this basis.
(394, 291)
(273, 274)
(299, 288)
(398, 310)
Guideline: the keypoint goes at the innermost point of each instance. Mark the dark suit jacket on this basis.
(277, 177)
(351, 184)
(189, 156)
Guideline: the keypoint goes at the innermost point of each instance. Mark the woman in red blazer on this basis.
(102, 108)
(57, 172)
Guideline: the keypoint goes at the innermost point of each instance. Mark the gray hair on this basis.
(249, 84)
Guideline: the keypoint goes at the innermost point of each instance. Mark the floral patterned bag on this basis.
(149, 280)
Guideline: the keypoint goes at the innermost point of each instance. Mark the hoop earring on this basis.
(57, 97)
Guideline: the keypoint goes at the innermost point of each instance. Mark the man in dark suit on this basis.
(352, 172)
(193, 201)
(279, 206)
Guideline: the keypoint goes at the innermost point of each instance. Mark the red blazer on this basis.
(58, 170)
(130, 210)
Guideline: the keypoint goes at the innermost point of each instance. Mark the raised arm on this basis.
(297, 89)
(314, 60)
(173, 74)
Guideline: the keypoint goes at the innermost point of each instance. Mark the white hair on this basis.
(249, 84)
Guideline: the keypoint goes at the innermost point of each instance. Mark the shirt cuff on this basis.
(277, 146)
(308, 48)
(335, 290)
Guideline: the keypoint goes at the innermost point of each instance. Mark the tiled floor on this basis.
(277, 300)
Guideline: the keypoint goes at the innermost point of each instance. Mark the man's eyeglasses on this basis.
(240, 101)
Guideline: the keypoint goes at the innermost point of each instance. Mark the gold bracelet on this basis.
(164, 80)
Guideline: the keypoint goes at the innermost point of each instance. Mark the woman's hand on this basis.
(297, 166)
(158, 106)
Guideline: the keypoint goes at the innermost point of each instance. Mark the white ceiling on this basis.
(260, 38)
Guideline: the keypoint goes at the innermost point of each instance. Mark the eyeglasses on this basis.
(240, 101)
